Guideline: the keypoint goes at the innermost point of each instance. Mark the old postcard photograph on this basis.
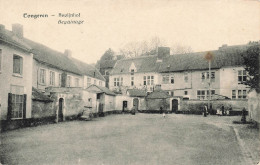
(122, 82)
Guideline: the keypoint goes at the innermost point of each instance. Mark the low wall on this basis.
(196, 106)
(155, 104)
(42, 109)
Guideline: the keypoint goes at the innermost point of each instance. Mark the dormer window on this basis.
(132, 71)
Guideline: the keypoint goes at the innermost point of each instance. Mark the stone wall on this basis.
(42, 109)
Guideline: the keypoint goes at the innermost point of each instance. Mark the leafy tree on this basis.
(251, 61)
(108, 55)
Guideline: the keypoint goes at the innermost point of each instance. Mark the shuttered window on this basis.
(16, 106)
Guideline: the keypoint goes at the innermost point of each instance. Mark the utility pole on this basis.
(209, 57)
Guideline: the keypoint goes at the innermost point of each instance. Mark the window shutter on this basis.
(24, 105)
(9, 112)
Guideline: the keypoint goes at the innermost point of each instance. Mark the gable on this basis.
(132, 67)
(94, 89)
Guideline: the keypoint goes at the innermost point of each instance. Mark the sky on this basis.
(201, 24)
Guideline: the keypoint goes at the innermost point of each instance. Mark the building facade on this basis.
(15, 75)
(186, 75)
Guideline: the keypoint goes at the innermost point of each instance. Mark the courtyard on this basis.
(134, 139)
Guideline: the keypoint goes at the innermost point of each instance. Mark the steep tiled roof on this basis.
(8, 37)
(142, 64)
(158, 94)
(52, 57)
(38, 96)
(229, 56)
(88, 70)
(137, 92)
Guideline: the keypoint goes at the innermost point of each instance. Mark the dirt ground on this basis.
(135, 139)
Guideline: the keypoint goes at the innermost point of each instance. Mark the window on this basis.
(88, 82)
(132, 71)
(205, 75)
(239, 94)
(132, 81)
(100, 83)
(148, 80)
(201, 95)
(95, 82)
(0, 60)
(152, 80)
(212, 76)
(172, 79)
(52, 78)
(186, 78)
(244, 94)
(59, 80)
(165, 79)
(234, 93)
(17, 64)
(204, 94)
(42, 76)
(242, 76)
(68, 81)
(185, 92)
(76, 82)
(172, 93)
(17, 106)
(118, 81)
(121, 83)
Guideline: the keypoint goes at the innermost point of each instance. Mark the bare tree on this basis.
(181, 49)
(134, 49)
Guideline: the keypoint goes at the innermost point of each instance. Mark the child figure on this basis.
(164, 114)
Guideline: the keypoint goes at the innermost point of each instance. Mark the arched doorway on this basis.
(60, 112)
(136, 104)
(174, 105)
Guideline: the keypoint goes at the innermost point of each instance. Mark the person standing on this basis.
(205, 110)
(243, 119)
(223, 110)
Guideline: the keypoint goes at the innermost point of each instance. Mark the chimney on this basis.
(163, 52)
(223, 46)
(2, 27)
(68, 53)
(17, 30)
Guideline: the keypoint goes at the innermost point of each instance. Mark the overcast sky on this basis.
(200, 24)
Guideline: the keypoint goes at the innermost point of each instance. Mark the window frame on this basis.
(243, 76)
(42, 77)
(52, 78)
(132, 81)
(69, 81)
(76, 82)
(60, 79)
(204, 93)
(88, 81)
(20, 65)
(166, 79)
(14, 106)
